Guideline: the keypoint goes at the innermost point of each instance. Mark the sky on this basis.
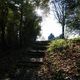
(49, 25)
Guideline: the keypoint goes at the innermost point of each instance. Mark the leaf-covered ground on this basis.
(63, 60)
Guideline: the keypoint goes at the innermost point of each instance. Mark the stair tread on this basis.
(30, 64)
(34, 50)
(35, 54)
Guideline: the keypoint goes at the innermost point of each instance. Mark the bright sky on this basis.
(49, 25)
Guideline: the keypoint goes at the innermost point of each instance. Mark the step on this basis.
(35, 53)
(35, 56)
(29, 64)
(40, 47)
(27, 59)
(41, 42)
(31, 60)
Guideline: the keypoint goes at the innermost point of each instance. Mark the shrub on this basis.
(58, 44)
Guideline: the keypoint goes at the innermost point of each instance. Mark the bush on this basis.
(61, 44)
(58, 44)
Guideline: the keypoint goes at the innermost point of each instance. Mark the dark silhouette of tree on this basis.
(73, 17)
(18, 21)
(19, 27)
(3, 20)
(59, 10)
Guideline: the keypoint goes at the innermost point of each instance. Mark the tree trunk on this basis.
(21, 22)
(3, 30)
(63, 21)
(3, 21)
(3, 35)
(63, 29)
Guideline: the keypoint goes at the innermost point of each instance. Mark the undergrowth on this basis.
(61, 44)
(64, 55)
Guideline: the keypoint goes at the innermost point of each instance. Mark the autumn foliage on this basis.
(63, 58)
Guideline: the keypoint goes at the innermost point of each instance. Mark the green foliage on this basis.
(67, 13)
(41, 3)
(57, 44)
(73, 14)
(19, 22)
(19, 27)
(76, 40)
(61, 44)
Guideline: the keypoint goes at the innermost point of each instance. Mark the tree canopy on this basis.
(67, 13)
(18, 22)
(73, 17)
(19, 27)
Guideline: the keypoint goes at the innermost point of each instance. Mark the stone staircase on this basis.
(33, 60)
(35, 54)
(37, 51)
